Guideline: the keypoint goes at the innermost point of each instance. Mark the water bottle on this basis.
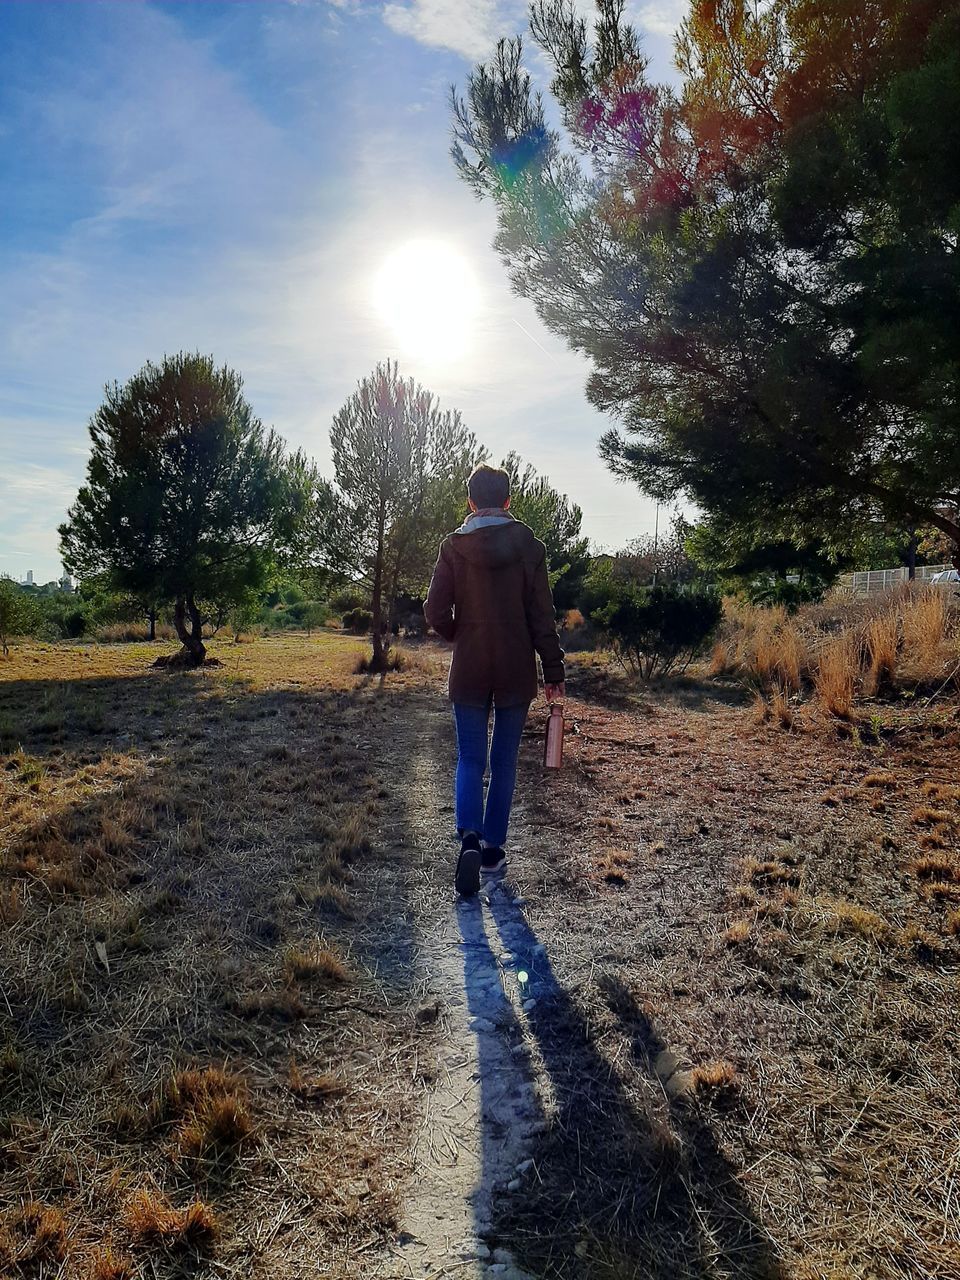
(553, 743)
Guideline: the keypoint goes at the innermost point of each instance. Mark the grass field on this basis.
(217, 1033)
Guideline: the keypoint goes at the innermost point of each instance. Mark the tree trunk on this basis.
(912, 556)
(152, 619)
(191, 637)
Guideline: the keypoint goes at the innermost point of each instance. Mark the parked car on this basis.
(946, 577)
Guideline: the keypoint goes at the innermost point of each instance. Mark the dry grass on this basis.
(226, 826)
(713, 1077)
(153, 829)
(906, 640)
(152, 1219)
(924, 619)
(934, 866)
(835, 676)
(737, 933)
(33, 1237)
(882, 637)
(107, 1265)
(205, 1111)
(315, 963)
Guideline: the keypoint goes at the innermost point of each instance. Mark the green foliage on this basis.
(766, 571)
(401, 466)
(358, 621)
(556, 522)
(18, 613)
(652, 630)
(762, 266)
(245, 614)
(187, 499)
(349, 598)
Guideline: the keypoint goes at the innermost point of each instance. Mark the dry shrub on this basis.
(315, 963)
(781, 709)
(713, 1077)
(886, 780)
(859, 920)
(760, 711)
(738, 932)
(723, 660)
(352, 838)
(132, 632)
(395, 660)
(924, 619)
(936, 867)
(941, 792)
(284, 1006)
(207, 1111)
(152, 1219)
(772, 871)
(11, 905)
(330, 897)
(35, 1235)
(771, 649)
(108, 1265)
(882, 635)
(924, 816)
(952, 923)
(924, 946)
(217, 1128)
(932, 841)
(836, 674)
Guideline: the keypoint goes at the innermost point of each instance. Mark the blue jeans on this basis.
(472, 726)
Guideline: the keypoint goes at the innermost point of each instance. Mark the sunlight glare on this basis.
(428, 294)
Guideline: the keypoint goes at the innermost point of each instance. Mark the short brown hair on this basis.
(489, 486)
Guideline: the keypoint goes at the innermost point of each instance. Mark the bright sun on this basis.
(428, 294)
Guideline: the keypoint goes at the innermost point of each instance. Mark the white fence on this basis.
(873, 581)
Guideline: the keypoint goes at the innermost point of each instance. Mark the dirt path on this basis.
(472, 1143)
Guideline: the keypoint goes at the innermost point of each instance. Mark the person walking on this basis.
(490, 595)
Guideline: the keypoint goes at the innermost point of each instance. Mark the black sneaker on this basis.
(492, 859)
(467, 878)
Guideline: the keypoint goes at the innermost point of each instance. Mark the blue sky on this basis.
(231, 177)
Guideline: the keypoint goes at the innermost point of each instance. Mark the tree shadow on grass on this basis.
(182, 840)
(623, 1183)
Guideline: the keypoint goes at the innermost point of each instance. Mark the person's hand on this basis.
(555, 692)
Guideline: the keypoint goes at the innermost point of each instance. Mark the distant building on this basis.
(29, 578)
(66, 582)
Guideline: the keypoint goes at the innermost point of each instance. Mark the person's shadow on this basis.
(614, 1179)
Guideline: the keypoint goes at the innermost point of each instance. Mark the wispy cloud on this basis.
(661, 18)
(470, 29)
(473, 28)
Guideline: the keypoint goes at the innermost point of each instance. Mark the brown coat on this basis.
(490, 595)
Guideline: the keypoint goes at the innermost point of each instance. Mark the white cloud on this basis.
(660, 19)
(471, 28)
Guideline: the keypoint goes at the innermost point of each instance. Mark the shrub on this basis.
(925, 619)
(348, 599)
(836, 674)
(151, 1219)
(881, 638)
(131, 632)
(653, 630)
(18, 614)
(358, 621)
